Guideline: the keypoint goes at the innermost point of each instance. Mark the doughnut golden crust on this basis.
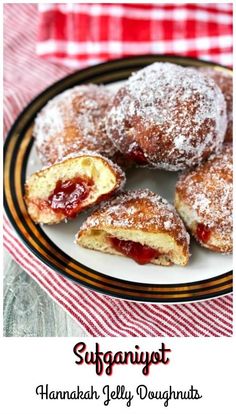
(62, 190)
(137, 224)
(225, 82)
(204, 201)
(168, 116)
(73, 121)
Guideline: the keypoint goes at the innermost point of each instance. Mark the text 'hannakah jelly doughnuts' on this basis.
(63, 189)
(204, 201)
(168, 116)
(140, 225)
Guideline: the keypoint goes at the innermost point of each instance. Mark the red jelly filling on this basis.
(67, 196)
(141, 254)
(137, 155)
(203, 233)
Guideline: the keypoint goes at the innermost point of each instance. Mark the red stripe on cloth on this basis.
(108, 311)
(26, 74)
(214, 318)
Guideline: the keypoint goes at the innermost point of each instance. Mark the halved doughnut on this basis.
(137, 224)
(64, 189)
(204, 201)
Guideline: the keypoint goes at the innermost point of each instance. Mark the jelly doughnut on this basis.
(73, 121)
(167, 116)
(62, 190)
(140, 225)
(204, 201)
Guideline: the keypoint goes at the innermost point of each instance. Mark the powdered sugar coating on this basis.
(224, 79)
(139, 210)
(208, 193)
(73, 121)
(176, 115)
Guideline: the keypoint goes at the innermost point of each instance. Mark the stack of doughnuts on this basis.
(164, 116)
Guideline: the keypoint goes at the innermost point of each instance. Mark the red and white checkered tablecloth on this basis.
(84, 34)
(41, 46)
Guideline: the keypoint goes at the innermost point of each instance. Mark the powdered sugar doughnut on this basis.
(204, 201)
(168, 116)
(224, 79)
(73, 121)
(138, 224)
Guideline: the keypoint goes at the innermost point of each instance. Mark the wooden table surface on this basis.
(28, 310)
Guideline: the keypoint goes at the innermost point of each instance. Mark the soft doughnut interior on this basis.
(94, 171)
(167, 250)
(215, 240)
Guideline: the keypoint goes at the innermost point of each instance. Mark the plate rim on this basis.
(105, 68)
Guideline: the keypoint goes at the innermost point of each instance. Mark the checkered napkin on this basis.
(85, 34)
(76, 35)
